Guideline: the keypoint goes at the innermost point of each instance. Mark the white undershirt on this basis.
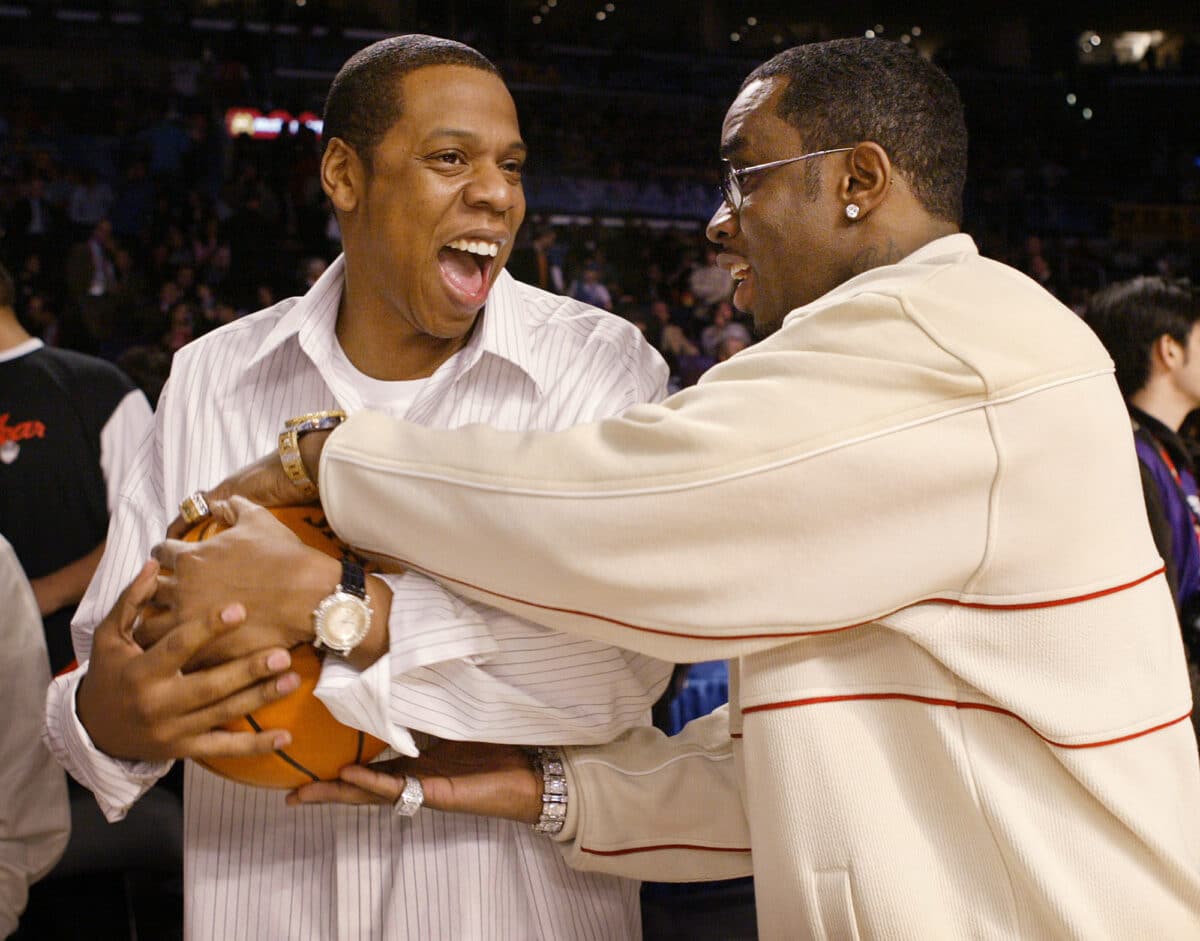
(393, 396)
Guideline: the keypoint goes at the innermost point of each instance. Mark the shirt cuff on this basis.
(426, 625)
(116, 784)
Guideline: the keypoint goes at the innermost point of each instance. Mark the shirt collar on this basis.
(1164, 435)
(309, 318)
(502, 330)
(24, 348)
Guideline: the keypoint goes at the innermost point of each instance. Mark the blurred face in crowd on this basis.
(430, 224)
(781, 247)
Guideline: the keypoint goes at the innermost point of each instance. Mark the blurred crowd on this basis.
(136, 223)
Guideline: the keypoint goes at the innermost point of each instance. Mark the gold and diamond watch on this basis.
(343, 618)
(289, 446)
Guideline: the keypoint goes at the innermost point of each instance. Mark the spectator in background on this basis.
(730, 345)
(69, 426)
(709, 283)
(91, 200)
(35, 821)
(1148, 325)
(41, 320)
(723, 325)
(535, 263)
(589, 288)
(31, 279)
(134, 203)
(35, 223)
(311, 271)
(92, 284)
(181, 329)
(148, 367)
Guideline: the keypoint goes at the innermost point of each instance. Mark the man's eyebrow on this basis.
(464, 134)
(732, 145)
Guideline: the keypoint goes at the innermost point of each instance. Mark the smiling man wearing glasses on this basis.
(958, 697)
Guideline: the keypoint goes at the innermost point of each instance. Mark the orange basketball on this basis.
(320, 744)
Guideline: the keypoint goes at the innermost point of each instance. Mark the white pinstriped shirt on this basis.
(256, 869)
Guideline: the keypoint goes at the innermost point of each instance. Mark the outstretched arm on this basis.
(644, 806)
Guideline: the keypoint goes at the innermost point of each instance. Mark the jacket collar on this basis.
(941, 251)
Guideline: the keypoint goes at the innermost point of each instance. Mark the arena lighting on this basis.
(600, 15)
(1130, 47)
(735, 37)
(916, 31)
(752, 21)
(870, 34)
(1071, 99)
(1087, 114)
(254, 123)
(536, 19)
(610, 7)
(879, 27)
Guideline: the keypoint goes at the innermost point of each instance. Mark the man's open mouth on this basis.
(467, 266)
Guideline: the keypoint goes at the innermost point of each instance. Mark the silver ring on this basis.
(411, 798)
(194, 508)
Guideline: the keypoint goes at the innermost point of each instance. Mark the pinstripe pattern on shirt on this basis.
(257, 869)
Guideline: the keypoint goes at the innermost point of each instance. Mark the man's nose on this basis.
(490, 187)
(723, 225)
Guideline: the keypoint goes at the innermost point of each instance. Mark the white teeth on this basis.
(488, 249)
(740, 271)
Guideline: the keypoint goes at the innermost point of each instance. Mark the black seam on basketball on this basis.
(359, 749)
(284, 755)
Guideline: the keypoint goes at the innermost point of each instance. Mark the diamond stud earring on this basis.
(852, 211)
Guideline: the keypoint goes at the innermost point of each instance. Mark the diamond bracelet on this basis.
(554, 790)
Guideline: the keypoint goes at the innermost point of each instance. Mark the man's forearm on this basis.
(66, 585)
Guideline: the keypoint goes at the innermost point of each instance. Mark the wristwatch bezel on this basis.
(351, 591)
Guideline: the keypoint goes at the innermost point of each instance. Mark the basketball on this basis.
(320, 744)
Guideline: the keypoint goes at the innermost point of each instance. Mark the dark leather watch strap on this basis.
(354, 580)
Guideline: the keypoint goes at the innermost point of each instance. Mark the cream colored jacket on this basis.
(912, 520)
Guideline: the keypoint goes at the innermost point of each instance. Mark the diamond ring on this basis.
(411, 798)
(194, 508)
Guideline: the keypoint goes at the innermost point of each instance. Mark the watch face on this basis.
(344, 621)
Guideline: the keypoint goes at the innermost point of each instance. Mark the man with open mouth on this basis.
(423, 164)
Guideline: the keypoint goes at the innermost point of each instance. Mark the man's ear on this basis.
(869, 177)
(1167, 351)
(343, 176)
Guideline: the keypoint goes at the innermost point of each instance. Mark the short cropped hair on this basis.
(364, 100)
(850, 90)
(8, 289)
(1129, 318)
